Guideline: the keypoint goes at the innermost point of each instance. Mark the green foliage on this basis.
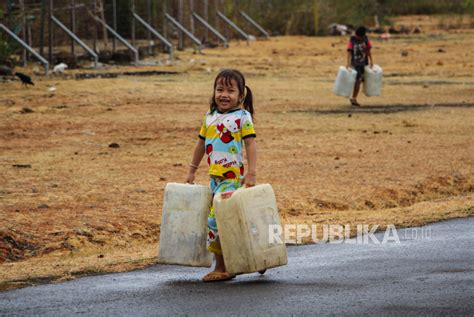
(7, 47)
(308, 17)
(468, 7)
(285, 16)
(312, 17)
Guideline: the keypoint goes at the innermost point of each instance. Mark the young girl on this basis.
(226, 126)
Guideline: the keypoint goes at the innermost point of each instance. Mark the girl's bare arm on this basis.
(251, 150)
(349, 57)
(197, 157)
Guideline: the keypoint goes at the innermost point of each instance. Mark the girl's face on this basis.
(227, 95)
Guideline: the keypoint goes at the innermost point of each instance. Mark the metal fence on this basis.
(60, 27)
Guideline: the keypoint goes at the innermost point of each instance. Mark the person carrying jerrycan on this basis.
(226, 127)
(358, 56)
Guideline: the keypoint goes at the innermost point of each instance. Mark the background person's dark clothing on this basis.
(359, 48)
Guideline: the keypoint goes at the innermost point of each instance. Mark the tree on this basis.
(100, 12)
(316, 13)
(7, 47)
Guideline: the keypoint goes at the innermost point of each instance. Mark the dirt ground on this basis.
(70, 204)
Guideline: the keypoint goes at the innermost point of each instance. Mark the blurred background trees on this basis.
(280, 17)
(307, 17)
(312, 17)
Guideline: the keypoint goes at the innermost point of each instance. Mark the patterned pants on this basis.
(218, 185)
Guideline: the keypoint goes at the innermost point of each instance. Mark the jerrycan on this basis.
(183, 231)
(372, 80)
(248, 220)
(345, 81)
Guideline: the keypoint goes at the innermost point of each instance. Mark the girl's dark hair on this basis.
(227, 75)
(361, 31)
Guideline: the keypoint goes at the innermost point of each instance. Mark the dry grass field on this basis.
(70, 204)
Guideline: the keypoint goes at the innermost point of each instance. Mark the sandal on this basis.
(217, 277)
(355, 103)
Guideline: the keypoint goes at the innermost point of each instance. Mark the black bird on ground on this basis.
(25, 79)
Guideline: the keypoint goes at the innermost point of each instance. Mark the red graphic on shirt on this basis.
(209, 149)
(211, 235)
(224, 133)
(229, 174)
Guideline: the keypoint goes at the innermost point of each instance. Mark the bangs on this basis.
(225, 78)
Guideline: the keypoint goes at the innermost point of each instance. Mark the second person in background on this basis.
(358, 56)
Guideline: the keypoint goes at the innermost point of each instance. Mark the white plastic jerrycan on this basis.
(248, 220)
(345, 81)
(372, 80)
(184, 230)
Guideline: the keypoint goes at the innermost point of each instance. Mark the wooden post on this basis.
(206, 17)
(72, 19)
(191, 19)
(42, 23)
(100, 12)
(180, 19)
(216, 8)
(316, 11)
(50, 35)
(133, 23)
(114, 12)
(23, 31)
(163, 18)
(154, 15)
(149, 9)
(30, 42)
(96, 27)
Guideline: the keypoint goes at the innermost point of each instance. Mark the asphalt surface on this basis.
(430, 272)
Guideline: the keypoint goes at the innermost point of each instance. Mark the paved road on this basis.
(429, 275)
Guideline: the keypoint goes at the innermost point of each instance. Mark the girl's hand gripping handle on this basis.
(249, 179)
(191, 176)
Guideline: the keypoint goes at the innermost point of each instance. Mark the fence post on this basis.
(23, 31)
(114, 23)
(133, 23)
(191, 20)
(180, 19)
(50, 29)
(149, 18)
(96, 27)
(43, 16)
(73, 27)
